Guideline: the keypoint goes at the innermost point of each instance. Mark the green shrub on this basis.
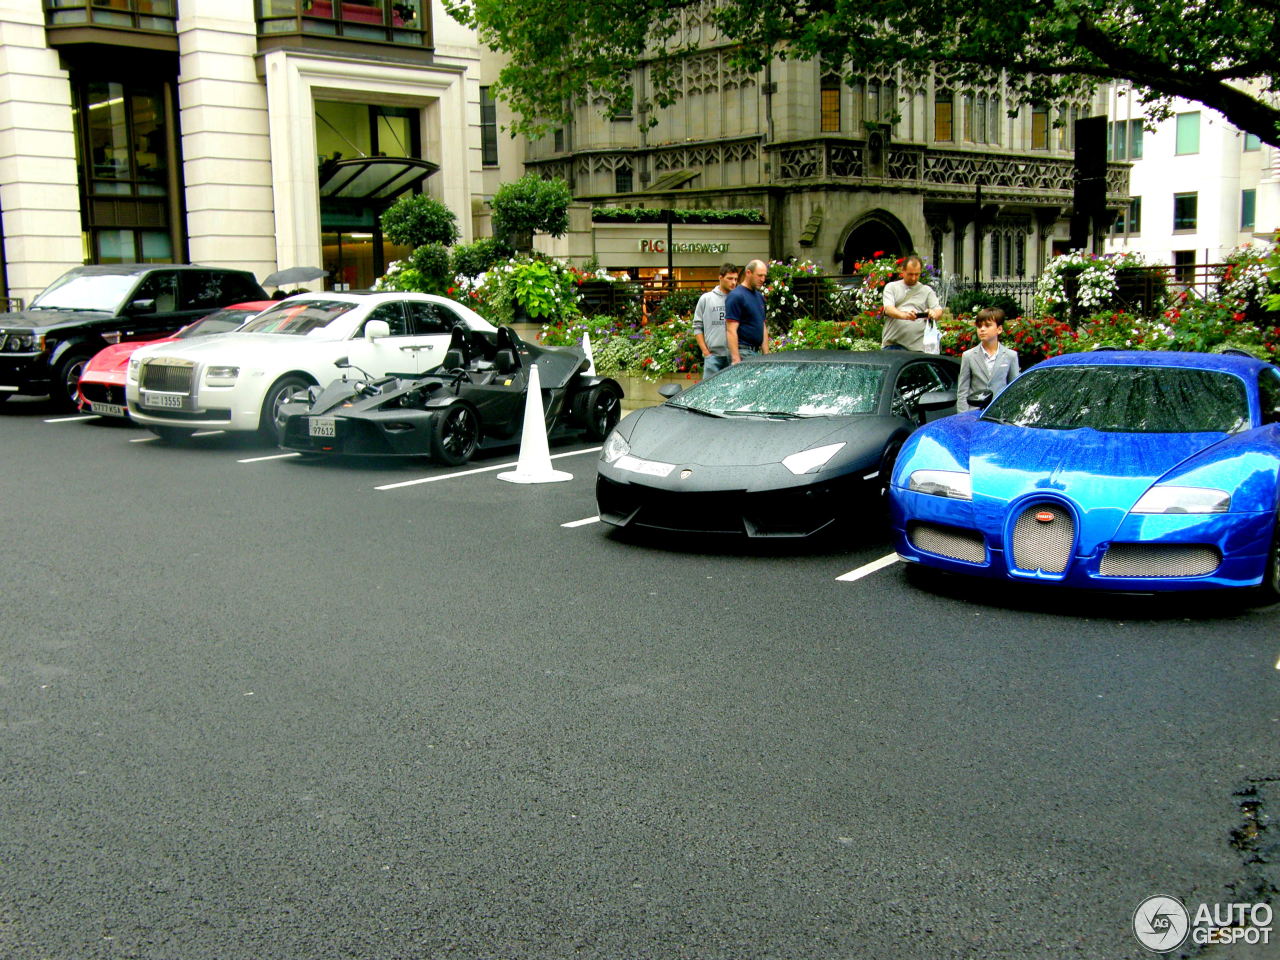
(971, 301)
(652, 215)
(531, 205)
(473, 259)
(416, 219)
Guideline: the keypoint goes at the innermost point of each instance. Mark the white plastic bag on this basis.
(932, 337)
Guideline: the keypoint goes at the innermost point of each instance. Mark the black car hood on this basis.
(47, 319)
(674, 435)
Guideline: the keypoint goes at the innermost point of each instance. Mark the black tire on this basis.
(455, 434)
(66, 380)
(601, 411)
(1268, 591)
(886, 469)
(172, 434)
(270, 424)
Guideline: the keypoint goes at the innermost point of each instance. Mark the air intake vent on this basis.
(952, 542)
(1159, 560)
(1043, 538)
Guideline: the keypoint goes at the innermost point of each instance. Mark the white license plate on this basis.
(172, 401)
(107, 409)
(322, 427)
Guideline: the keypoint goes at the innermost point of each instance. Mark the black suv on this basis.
(44, 348)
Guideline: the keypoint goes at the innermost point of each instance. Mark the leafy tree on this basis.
(416, 219)
(1222, 53)
(531, 205)
(473, 259)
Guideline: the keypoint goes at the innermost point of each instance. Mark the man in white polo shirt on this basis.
(908, 303)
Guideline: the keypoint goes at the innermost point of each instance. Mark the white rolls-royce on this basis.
(237, 381)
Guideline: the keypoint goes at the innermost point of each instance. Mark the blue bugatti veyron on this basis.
(1136, 471)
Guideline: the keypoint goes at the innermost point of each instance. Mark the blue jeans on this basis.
(746, 351)
(713, 364)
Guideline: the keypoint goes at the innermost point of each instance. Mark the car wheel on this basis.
(603, 410)
(172, 434)
(66, 390)
(270, 423)
(1268, 591)
(455, 433)
(885, 479)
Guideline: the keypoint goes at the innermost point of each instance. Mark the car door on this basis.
(432, 325)
(163, 289)
(393, 354)
(914, 381)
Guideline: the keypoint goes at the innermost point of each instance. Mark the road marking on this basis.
(869, 568)
(144, 439)
(467, 473)
(581, 523)
(207, 433)
(87, 416)
(275, 456)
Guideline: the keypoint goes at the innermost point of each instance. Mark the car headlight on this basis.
(1183, 500)
(221, 373)
(19, 342)
(807, 460)
(942, 483)
(614, 447)
(135, 368)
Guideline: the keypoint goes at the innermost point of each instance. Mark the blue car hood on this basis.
(1094, 469)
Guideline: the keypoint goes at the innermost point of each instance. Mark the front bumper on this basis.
(1139, 553)
(26, 373)
(393, 433)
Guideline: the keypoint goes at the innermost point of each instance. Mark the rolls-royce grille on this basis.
(167, 377)
(950, 542)
(1159, 560)
(1043, 537)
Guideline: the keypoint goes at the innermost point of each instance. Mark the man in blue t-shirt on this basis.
(744, 314)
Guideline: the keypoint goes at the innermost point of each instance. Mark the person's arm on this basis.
(699, 326)
(1014, 370)
(891, 309)
(962, 385)
(934, 305)
(731, 339)
(764, 340)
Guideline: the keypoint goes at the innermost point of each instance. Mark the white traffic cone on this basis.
(591, 359)
(534, 465)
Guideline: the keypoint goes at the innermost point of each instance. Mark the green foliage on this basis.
(971, 301)
(798, 290)
(1224, 54)
(528, 289)
(426, 270)
(680, 303)
(531, 205)
(806, 333)
(416, 219)
(473, 259)
(654, 215)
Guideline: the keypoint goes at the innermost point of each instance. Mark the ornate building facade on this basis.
(841, 169)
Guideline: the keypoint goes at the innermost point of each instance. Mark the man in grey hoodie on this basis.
(708, 322)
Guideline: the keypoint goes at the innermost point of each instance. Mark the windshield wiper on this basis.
(704, 413)
(779, 414)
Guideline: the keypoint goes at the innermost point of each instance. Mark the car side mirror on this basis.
(936, 400)
(342, 362)
(669, 390)
(142, 306)
(980, 398)
(376, 328)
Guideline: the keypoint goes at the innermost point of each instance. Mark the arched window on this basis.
(829, 105)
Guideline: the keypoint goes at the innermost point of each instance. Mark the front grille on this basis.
(950, 542)
(1159, 560)
(102, 392)
(1039, 545)
(167, 376)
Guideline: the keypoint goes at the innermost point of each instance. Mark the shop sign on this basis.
(660, 246)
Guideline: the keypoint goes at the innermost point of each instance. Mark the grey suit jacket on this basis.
(976, 374)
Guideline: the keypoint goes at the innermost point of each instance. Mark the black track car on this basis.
(475, 398)
(776, 446)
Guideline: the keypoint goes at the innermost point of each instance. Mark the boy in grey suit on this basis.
(988, 366)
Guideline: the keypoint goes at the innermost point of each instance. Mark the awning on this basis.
(372, 178)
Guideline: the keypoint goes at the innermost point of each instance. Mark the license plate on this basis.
(107, 409)
(322, 427)
(171, 401)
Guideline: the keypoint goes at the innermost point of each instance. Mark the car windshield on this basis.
(781, 388)
(223, 321)
(298, 318)
(80, 291)
(1124, 399)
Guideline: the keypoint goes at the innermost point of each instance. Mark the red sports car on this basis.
(102, 380)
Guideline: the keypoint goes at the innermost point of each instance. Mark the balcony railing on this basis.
(381, 21)
(155, 16)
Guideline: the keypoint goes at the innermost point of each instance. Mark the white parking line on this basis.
(581, 523)
(467, 473)
(869, 568)
(87, 416)
(207, 433)
(144, 439)
(274, 456)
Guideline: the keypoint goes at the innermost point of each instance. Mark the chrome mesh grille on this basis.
(170, 377)
(1043, 546)
(948, 542)
(1159, 560)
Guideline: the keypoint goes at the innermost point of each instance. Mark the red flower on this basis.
(878, 254)
(1237, 317)
(450, 290)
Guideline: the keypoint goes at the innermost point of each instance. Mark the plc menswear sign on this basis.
(660, 246)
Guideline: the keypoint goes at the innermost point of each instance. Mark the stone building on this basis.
(840, 169)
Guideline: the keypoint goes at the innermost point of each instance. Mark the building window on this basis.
(1184, 266)
(993, 107)
(1124, 140)
(1248, 208)
(558, 140)
(622, 178)
(830, 105)
(967, 117)
(1039, 127)
(153, 15)
(385, 21)
(1252, 142)
(488, 128)
(1129, 219)
(942, 116)
(1188, 136)
(1184, 211)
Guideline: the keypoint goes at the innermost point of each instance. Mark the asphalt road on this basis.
(253, 707)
